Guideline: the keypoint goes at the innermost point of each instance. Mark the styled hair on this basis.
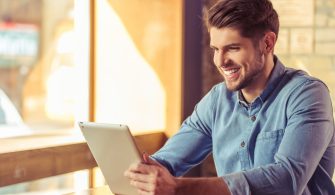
(251, 17)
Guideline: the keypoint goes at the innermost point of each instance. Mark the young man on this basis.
(270, 128)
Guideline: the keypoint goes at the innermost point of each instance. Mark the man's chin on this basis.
(234, 86)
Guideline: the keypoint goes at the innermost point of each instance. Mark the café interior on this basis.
(144, 63)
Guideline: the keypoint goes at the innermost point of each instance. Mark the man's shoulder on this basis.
(299, 77)
(295, 79)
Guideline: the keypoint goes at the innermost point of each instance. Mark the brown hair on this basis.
(251, 17)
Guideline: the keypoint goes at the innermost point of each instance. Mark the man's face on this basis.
(238, 60)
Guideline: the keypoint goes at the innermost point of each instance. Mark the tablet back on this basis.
(114, 150)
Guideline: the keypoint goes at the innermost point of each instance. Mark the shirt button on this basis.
(253, 118)
(242, 144)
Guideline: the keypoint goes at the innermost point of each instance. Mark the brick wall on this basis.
(311, 46)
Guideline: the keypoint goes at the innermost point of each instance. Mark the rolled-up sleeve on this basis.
(309, 130)
(237, 183)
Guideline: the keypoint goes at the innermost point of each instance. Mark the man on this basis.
(270, 128)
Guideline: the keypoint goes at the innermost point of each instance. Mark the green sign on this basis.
(18, 45)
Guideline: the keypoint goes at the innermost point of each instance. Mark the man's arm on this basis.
(209, 185)
(307, 135)
(193, 142)
(152, 178)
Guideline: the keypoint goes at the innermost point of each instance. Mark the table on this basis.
(104, 190)
(33, 157)
(28, 158)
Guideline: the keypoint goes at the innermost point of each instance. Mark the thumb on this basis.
(150, 161)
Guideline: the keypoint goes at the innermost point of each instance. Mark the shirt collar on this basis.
(275, 77)
(241, 99)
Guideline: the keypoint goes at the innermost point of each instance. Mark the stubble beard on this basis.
(249, 77)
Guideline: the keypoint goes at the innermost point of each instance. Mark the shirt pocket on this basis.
(267, 144)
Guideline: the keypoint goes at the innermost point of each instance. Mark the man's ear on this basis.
(270, 39)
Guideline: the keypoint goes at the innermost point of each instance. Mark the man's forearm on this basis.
(212, 185)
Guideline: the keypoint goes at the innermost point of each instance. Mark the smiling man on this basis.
(270, 128)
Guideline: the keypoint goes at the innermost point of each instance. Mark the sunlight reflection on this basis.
(67, 86)
(127, 88)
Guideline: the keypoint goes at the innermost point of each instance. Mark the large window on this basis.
(43, 65)
(45, 58)
(138, 63)
(44, 78)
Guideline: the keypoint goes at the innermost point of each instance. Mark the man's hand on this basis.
(150, 177)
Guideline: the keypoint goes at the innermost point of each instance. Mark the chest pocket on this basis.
(267, 144)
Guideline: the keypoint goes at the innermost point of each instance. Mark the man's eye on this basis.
(234, 48)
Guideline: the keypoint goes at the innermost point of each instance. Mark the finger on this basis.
(142, 192)
(143, 168)
(145, 157)
(127, 173)
(136, 167)
(141, 177)
(147, 187)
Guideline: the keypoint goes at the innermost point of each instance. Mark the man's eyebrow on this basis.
(212, 46)
(227, 46)
(233, 45)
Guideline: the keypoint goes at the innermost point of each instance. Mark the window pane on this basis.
(43, 65)
(138, 63)
(44, 57)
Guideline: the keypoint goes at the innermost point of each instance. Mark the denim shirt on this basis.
(282, 143)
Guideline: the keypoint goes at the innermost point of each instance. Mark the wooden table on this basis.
(94, 191)
(33, 157)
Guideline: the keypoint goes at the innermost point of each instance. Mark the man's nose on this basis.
(223, 60)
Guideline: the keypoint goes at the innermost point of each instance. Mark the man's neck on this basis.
(250, 93)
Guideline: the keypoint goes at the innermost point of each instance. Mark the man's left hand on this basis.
(150, 177)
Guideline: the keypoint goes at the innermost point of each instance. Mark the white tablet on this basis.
(114, 149)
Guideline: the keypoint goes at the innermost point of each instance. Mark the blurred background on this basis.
(144, 63)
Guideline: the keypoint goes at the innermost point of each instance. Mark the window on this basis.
(44, 80)
(138, 64)
(44, 66)
(44, 63)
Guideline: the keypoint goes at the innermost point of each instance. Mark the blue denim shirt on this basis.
(282, 143)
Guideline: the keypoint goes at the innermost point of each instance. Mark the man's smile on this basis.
(231, 73)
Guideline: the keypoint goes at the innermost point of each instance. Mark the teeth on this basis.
(229, 72)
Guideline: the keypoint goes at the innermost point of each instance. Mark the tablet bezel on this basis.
(114, 149)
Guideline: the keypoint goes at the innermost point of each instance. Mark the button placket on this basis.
(243, 154)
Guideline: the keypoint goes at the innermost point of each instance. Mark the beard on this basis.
(251, 74)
